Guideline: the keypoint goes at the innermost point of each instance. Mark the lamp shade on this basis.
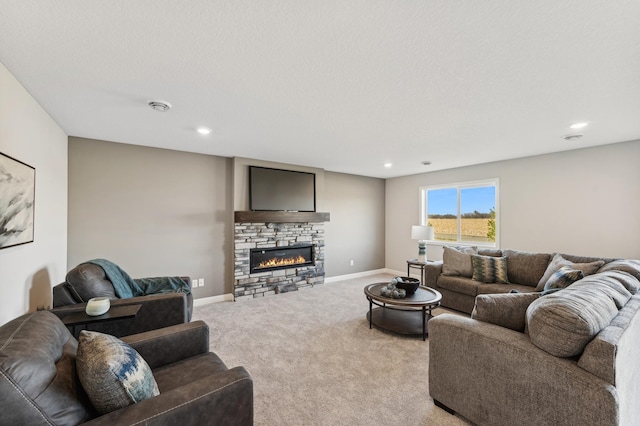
(422, 232)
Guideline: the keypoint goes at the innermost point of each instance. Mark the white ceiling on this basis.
(341, 85)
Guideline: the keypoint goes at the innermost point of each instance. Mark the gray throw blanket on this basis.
(126, 287)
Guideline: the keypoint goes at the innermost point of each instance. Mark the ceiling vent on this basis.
(573, 137)
(161, 106)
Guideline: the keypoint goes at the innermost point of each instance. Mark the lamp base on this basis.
(422, 251)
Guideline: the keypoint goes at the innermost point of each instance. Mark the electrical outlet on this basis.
(351, 262)
(194, 283)
(201, 282)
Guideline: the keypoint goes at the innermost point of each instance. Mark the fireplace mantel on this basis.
(280, 217)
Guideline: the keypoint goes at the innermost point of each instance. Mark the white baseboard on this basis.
(213, 299)
(368, 273)
(358, 275)
(229, 297)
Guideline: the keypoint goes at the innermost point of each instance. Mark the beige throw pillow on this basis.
(457, 261)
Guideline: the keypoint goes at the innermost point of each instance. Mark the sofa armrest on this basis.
(432, 271)
(171, 344)
(225, 398)
(157, 311)
(493, 375)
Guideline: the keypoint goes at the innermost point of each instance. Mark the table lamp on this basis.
(422, 233)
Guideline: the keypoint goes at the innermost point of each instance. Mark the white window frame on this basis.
(459, 186)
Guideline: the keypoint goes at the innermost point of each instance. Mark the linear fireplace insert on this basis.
(269, 259)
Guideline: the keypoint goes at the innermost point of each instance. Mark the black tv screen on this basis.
(281, 190)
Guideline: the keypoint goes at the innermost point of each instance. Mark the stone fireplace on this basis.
(277, 252)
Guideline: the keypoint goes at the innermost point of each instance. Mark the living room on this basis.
(158, 210)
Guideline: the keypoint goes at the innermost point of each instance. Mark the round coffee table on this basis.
(402, 316)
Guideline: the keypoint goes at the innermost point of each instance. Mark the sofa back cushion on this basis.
(38, 381)
(506, 310)
(457, 261)
(526, 268)
(564, 322)
(88, 280)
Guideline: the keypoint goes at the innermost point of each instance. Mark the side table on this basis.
(417, 264)
(76, 318)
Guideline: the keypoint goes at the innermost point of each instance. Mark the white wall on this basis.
(584, 202)
(29, 271)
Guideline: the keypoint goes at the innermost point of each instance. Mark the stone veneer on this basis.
(269, 235)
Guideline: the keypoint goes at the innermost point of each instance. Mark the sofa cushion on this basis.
(564, 322)
(459, 285)
(526, 268)
(558, 262)
(506, 310)
(492, 288)
(631, 266)
(563, 278)
(489, 269)
(457, 261)
(112, 373)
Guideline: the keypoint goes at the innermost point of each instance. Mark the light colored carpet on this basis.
(314, 360)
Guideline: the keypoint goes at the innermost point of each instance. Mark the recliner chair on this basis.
(89, 280)
(39, 384)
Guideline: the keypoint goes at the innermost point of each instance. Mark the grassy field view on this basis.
(472, 229)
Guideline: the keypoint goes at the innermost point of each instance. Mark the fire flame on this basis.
(271, 263)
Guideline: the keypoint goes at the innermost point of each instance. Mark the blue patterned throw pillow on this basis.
(112, 373)
(563, 278)
(489, 269)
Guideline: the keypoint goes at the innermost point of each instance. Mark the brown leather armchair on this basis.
(39, 384)
(89, 280)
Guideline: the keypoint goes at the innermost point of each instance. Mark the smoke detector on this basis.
(573, 137)
(161, 106)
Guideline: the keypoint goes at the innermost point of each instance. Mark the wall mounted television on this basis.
(281, 190)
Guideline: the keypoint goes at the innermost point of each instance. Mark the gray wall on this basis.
(152, 211)
(29, 134)
(356, 229)
(160, 212)
(584, 201)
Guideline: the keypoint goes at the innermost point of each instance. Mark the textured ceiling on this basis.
(341, 85)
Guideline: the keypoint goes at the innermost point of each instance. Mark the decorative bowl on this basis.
(97, 306)
(408, 284)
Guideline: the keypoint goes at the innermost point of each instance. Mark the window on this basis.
(463, 212)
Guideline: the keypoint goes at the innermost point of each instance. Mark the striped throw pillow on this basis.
(489, 269)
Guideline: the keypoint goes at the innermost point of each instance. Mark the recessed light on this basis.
(387, 165)
(580, 125)
(426, 163)
(204, 130)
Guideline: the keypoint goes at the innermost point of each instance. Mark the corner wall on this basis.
(152, 211)
(584, 202)
(28, 272)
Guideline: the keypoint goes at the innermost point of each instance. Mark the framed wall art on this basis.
(17, 201)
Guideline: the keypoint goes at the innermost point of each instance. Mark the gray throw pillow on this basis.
(558, 262)
(112, 373)
(563, 278)
(457, 261)
(506, 310)
(489, 269)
